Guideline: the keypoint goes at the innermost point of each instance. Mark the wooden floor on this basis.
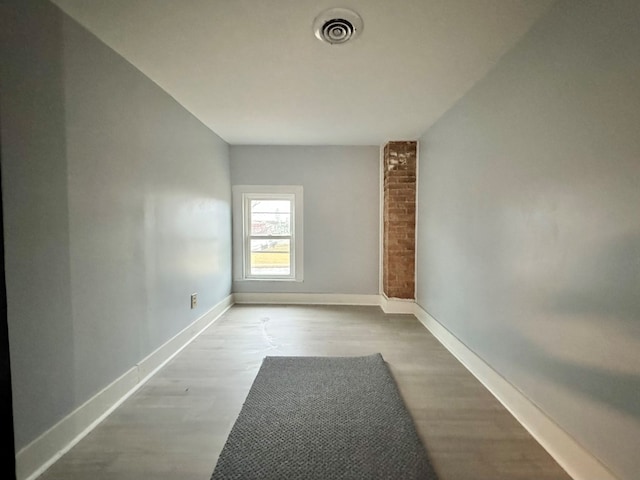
(175, 425)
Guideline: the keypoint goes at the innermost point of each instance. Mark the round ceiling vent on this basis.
(337, 25)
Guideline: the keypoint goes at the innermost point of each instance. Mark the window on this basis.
(269, 235)
(268, 232)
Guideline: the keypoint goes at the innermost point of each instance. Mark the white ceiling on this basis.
(253, 71)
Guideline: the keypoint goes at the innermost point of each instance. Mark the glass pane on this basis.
(270, 257)
(270, 217)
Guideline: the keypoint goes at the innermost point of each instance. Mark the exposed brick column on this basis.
(399, 215)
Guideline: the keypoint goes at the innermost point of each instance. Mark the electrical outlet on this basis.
(194, 300)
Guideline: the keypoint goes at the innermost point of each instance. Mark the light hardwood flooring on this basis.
(175, 425)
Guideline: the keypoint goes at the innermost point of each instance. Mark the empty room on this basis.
(310, 239)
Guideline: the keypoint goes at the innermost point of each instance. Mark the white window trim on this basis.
(240, 234)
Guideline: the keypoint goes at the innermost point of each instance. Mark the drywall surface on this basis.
(36, 218)
(528, 224)
(341, 213)
(117, 208)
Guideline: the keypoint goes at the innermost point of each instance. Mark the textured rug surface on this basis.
(323, 418)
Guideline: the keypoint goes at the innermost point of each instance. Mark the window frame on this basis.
(242, 197)
(248, 236)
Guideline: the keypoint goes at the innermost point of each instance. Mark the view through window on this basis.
(270, 239)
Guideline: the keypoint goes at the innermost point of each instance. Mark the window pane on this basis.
(270, 257)
(270, 217)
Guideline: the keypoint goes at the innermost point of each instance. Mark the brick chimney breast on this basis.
(399, 218)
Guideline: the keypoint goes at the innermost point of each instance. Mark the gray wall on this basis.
(117, 207)
(529, 224)
(341, 212)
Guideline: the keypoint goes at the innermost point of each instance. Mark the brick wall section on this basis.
(399, 216)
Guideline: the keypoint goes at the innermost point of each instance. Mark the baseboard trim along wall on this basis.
(306, 299)
(396, 305)
(570, 455)
(388, 305)
(35, 458)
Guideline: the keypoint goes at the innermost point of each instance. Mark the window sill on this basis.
(268, 280)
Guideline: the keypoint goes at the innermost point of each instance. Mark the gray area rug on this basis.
(323, 418)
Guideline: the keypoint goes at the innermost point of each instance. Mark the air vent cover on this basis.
(337, 26)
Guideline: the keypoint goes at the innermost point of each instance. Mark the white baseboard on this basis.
(35, 458)
(570, 455)
(388, 305)
(307, 298)
(396, 305)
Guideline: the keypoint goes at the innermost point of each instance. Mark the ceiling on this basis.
(253, 71)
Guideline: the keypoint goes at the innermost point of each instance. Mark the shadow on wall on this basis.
(615, 389)
(584, 336)
(612, 304)
(36, 216)
(615, 290)
(590, 335)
